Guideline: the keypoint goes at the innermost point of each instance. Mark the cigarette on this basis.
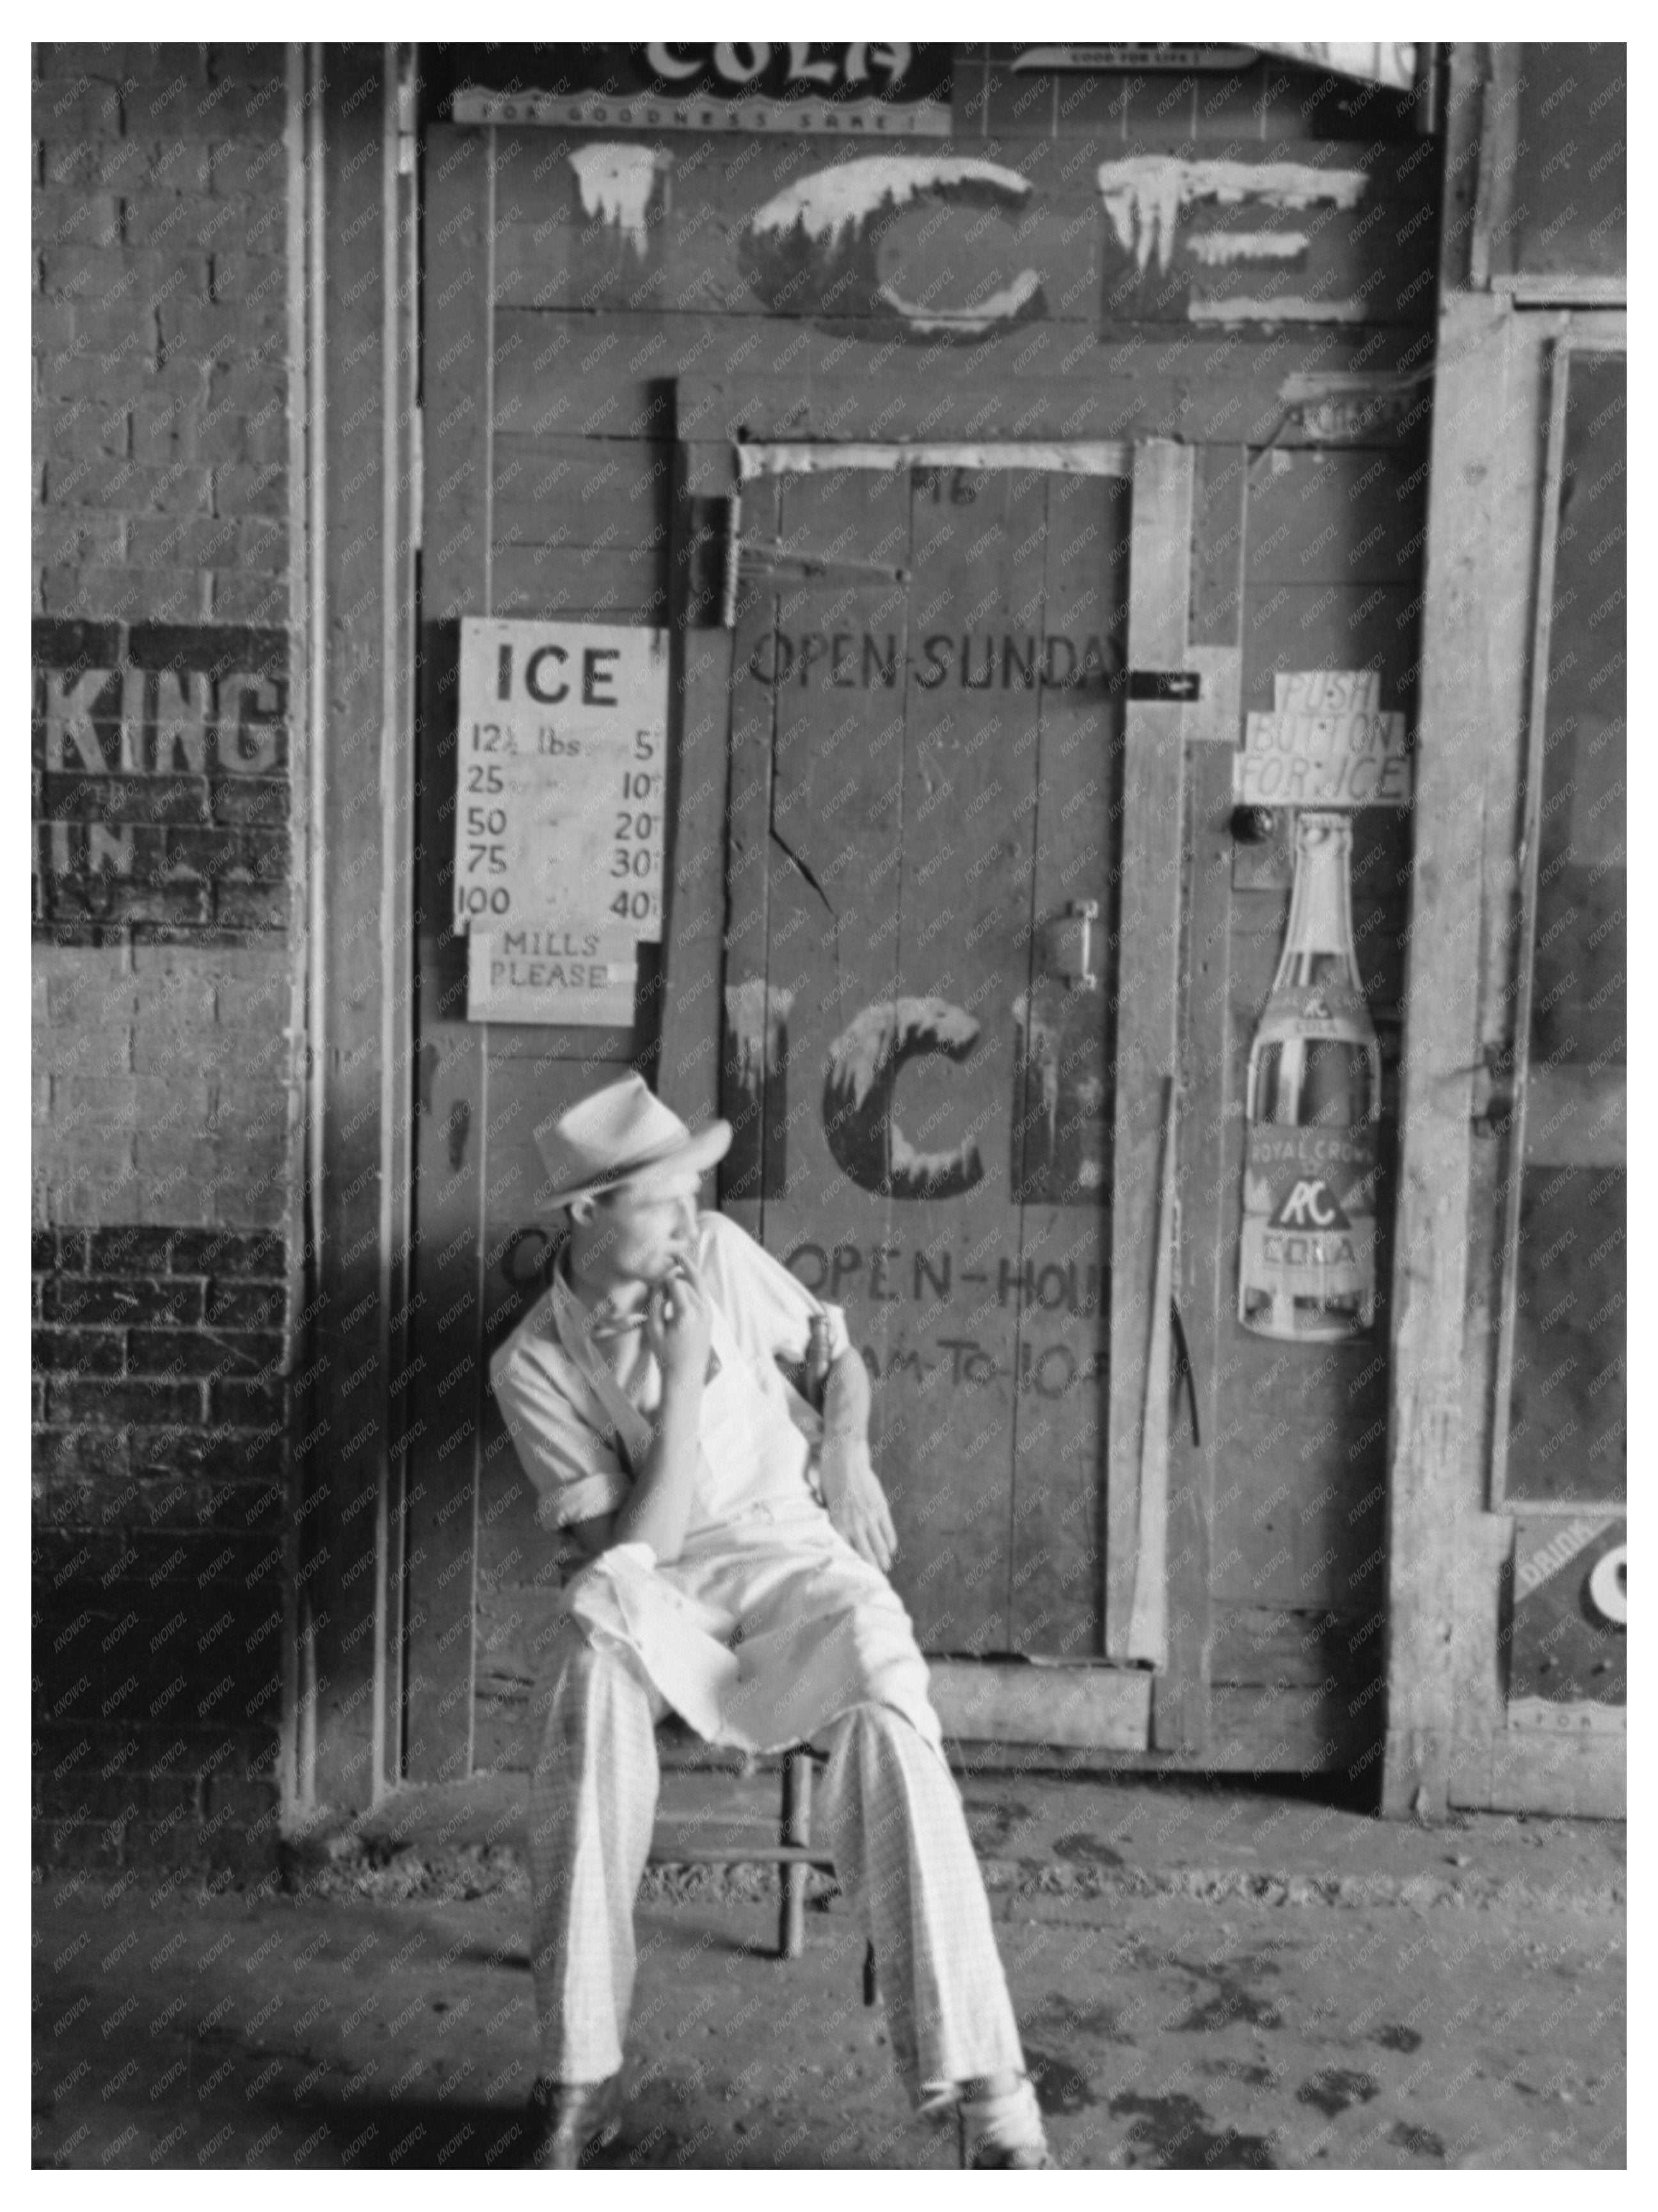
(602, 1332)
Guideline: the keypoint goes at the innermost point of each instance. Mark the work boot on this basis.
(1003, 2132)
(566, 2119)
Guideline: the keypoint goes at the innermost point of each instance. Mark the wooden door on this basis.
(928, 699)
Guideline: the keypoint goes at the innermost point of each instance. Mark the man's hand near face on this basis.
(852, 1491)
(679, 1325)
(678, 1330)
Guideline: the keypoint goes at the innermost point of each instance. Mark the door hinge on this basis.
(764, 560)
(770, 557)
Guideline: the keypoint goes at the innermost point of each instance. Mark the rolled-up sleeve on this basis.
(577, 1472)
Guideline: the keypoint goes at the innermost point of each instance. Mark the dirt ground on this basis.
(1204, 1977)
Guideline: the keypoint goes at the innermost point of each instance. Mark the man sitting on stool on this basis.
(644, 1397)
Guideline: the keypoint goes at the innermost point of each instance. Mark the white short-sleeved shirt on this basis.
(564, 1437)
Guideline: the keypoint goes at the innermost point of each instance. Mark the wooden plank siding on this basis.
(573, 479)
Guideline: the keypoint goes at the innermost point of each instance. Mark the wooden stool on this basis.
(792, 1854)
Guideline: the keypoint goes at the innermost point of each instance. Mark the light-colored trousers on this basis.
(891, 1816)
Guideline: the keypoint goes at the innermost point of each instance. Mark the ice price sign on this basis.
(562, 758)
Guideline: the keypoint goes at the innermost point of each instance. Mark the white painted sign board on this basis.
(1327, 743)
(561, 760)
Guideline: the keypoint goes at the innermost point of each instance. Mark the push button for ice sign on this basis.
(1065, 945)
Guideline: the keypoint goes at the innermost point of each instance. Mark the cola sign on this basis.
(861, 88)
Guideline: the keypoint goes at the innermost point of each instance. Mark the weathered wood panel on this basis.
(1320, 624)
(440, 1555)
(1201, 389)
(581, 492)
(1063, 1138)
(1355, 515)
(1315, 1728)
(1262, 1646)
(968, 859)
(749, 1044)
(699, 785)
(623, 584)
(833, 952)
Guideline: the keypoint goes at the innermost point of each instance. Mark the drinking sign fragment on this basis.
(560, 761)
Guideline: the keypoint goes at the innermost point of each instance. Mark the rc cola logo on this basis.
(1307, 1267)
(1311, 1206)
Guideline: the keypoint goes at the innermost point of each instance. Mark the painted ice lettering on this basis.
(615, 182)
(1145, 195)
(755, 1076)
(860, 1123)
(843, 228)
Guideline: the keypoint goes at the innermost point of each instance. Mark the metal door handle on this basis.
(1065, 944)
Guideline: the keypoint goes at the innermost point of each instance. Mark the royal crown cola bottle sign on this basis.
(1313, 1097)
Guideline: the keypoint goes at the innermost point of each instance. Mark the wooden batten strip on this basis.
(1159, 588)
(1084, 457)
(1148, 1621)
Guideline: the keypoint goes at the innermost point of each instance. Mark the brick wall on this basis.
(164, 1106)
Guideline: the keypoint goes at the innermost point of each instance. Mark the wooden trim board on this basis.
(1148, 926)
(363, 779)
(1432, 1481)
(1102, 1708)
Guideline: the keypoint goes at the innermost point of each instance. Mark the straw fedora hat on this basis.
(622, 1133)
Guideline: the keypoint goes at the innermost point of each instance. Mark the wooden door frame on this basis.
(1449, 1739)
(1108, 1703)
